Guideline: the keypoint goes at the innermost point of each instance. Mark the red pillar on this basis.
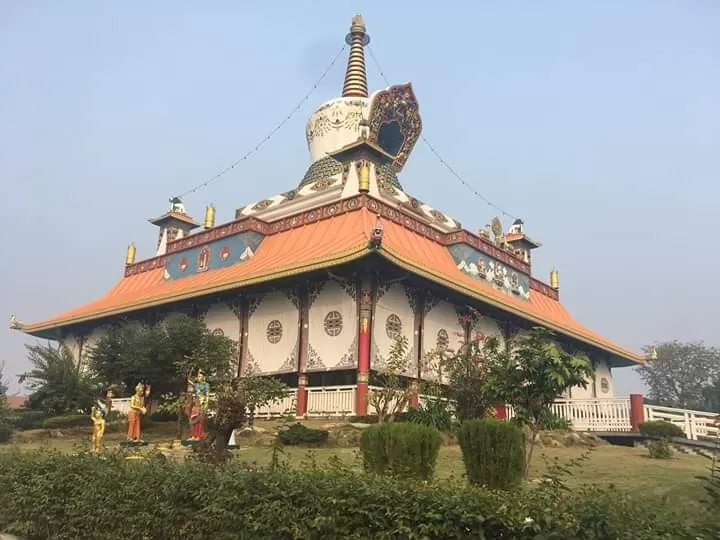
(637, 411)
(365, 301)
(414, 397)
(301, 401)
(500, 411)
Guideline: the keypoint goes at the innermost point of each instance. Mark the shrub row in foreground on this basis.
(48, 495)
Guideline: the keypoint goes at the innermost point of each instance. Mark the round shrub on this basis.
(493, 452)
(5, 432)
(660, 449)
(662, 429)
(297, 434)
(400, 449)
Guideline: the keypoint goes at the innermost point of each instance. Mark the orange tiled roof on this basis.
(321, 244)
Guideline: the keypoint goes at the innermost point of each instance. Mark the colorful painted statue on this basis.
(97, 415)
(199, 408)
(137, 409)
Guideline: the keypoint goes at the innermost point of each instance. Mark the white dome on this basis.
(335, 124)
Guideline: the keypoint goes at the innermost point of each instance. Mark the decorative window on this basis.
(393, 326)
(218, 332)
(333, 323)
(203, 262)
(443, 340)
(274, 331)
(604, 385)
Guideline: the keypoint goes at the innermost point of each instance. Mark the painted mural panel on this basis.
(442, 334)
(393, 317)
(333, 327)
(490, 271)
(218, 254)
(273, 333)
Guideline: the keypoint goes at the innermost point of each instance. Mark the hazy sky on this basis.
(596, 122)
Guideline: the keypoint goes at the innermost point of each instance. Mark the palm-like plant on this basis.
(58, 383)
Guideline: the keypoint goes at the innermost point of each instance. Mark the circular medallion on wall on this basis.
(604, 385)
(183, 264)
(218, 332)
(443, 340)
(393, 326)
(333, 323)
(274, 331)
(225, 253)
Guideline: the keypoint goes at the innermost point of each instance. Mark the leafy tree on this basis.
(58, 383)
(685, 375)
(393, 394)
(467, 372)
(533, 375)
(163, 354)
(261, 391)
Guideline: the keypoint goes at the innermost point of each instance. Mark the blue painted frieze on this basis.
(490, 271)
(215, 255)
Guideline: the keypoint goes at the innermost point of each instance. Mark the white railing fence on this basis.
(121, 405)
(331, 401)
(695, 424)
(286, 406)
(611, 414)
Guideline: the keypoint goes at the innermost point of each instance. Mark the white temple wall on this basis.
(221, 320)
(273, 333)
(488, 327)
(604, 387)
(72, 342)
(333, 327)
(393, 313)
(441, 331)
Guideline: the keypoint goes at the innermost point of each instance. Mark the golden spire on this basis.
(130, 255)
(554, 279)
(355, 76)
(209, 217)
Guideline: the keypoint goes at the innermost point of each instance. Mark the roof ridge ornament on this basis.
(355, 84)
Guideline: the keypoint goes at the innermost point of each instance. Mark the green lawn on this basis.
(630, 469)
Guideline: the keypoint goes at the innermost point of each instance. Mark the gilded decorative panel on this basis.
(491, 271)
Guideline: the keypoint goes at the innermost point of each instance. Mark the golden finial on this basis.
(554, 279)
(130, 255)
(355, 76)
(209, 217)
(364, 176)
(652, 355)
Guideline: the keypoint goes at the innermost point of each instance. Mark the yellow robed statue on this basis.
(137, 409)
(97, 415)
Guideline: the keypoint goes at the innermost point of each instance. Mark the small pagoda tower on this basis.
(174, 224)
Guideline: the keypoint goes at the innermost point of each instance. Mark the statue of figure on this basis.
(137, 409)
(97, 415)
(198, 410)
(14, 324)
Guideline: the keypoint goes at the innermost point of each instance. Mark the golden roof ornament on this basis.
(496, 228)
(14, 323)
(130, 254)
(554, 279)
(652, 355)
(356, 76)
(209, 217)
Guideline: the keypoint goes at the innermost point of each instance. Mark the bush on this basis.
(660, 449)
(163, 416)
(5, 432)
(197, 500)
(662, 429)
(297, 434)
(366, 419)
(405, 449)
(67, 421)
(552, 422)
(493, 452)
(432, 413)
(27, 420)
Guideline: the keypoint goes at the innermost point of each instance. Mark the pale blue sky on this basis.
(596, 122)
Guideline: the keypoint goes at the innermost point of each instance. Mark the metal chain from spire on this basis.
(273, 132)
(356, 76)
(437, 155)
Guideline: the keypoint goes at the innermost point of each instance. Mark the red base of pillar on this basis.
(361, 393)
(301, 398)
(500, 411)
(637, 411)
(414, 400)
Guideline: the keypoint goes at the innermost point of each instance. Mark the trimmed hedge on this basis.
(6, 432)
(49, 495)
(297, 434)
(406, 449)
(493, 452)
(661, 429)
(67, 421)
(27, 419)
